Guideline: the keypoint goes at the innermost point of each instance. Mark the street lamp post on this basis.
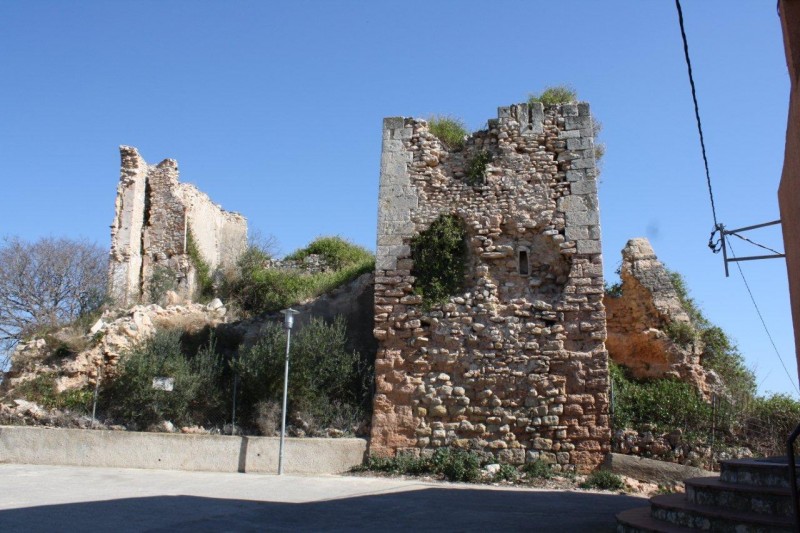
(288, 322)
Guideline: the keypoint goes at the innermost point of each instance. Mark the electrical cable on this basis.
(699, 124)
(760, 317)
(755, 243)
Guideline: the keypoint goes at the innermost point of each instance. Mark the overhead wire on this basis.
(761, 318)
(717, 245)
(697, 118)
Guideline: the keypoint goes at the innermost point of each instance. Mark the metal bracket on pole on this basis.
(725, 232)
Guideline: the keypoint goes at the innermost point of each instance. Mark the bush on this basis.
(440, 255)
(767, 423)
(450, 130)
(603, 480)
(256, 287)
(506, 473)
(335, 251)
(662, 404)
(556, 94)
(196, 395)
(42, 390)
(456, 464)
(476, 168)
(327, 382)
(163, 280)
(205, 280)
(538, 470)
(681, 333)
(451, 463)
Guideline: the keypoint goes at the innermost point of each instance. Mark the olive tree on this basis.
(47, 283)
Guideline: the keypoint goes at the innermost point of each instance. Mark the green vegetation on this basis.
(163, 280)
(661, 404)
(42, 390)
(476, 168)
(451, 463)
(603, 480)
(506, 472)
(450, 130)
(720, 354)
(555, 94)
(205, 279)
(197, 394)
(538, 470)
(681, 333)
(329, 384)
(440, 255)
(256, 287)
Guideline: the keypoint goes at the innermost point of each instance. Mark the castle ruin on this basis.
(162, 228)
(514, 363)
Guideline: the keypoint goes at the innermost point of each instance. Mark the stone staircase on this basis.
(749, 496)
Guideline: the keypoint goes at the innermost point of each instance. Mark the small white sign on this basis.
(166, 384)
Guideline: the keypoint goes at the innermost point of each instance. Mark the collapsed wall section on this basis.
(514, 363)
(156, 220)
(649, 331)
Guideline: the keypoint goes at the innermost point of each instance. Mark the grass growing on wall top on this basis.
(555, 94)
(450, 130)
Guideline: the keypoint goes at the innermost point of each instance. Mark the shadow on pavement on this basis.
(440, 509)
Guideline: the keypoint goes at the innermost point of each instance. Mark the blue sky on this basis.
(274, 109)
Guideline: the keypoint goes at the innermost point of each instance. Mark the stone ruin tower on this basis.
(514, 363)
(157, 220)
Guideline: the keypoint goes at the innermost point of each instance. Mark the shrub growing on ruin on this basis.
(336, 252)
(440, 255)
(555, 94)
(196, 397)
(163, 280)
(476, 168)
(327, 380)
(258, 287)
(205, 279)
(661, 404)
(450, 130)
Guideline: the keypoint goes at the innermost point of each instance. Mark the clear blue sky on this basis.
(274, 109)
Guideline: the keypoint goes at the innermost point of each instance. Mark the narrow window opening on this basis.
(523, 263)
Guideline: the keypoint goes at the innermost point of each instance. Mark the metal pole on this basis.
(94, 403)
(285, 393)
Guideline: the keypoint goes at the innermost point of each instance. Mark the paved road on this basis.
(59, 498)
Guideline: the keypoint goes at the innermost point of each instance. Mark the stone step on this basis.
(639, 520)
(674, 508)
(767, 472)
(713, 492)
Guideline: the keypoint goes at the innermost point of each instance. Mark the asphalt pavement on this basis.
(62, 498)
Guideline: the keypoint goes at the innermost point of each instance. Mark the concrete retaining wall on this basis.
(216, 453)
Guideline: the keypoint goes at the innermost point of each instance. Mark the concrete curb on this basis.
(213, 453)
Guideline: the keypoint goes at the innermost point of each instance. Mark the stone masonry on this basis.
(514, 365)
(155, 216)
(638, 320)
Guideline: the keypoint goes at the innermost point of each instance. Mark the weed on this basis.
(603, 480)
(506, 473)
(538, 470)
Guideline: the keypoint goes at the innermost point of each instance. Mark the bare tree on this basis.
(47, 283)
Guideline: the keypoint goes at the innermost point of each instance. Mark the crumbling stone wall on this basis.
(155, 216)
(515, 363)
(638, 320)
